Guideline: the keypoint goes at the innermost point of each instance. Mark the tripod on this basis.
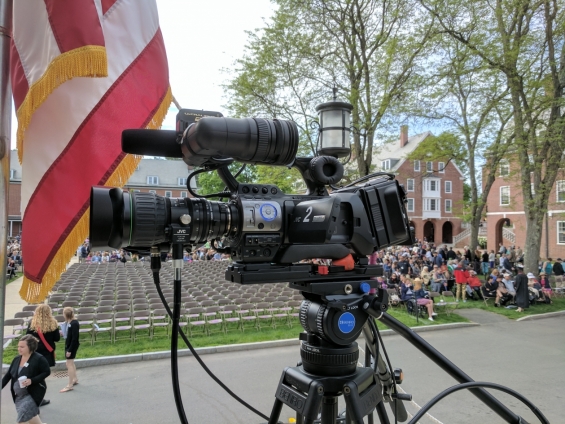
(329, 354)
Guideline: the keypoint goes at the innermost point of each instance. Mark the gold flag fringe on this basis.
(33, 292)
(86, 61)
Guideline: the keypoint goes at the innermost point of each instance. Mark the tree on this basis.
(469, 98)
(523, 41)
(368, 49)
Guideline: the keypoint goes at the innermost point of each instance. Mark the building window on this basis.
(168, 194)
(152, 191)
(135, 190)
(431, 204)
(417, 166)
(448, 205)
(504, 168)
(448, 186)
(152, 180)
(432, 185)
(385, 165)
(429, 166)
(533, 189)
(441, 167)
(560, 190)
(410, 205)
(560, 232)
(181, 181)
(505, 195)
(410, 184)
(12, 174)
(183, 194)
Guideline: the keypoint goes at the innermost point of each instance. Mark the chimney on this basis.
(403, 135)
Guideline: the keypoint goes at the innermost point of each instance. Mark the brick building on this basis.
(163, 177)
(506, 219)
(434, 189)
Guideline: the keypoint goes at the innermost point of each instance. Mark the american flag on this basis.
(82, 71)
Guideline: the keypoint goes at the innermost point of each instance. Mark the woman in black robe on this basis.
(522, 297)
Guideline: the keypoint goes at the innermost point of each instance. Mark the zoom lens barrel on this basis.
(249, 140)
(141, 220)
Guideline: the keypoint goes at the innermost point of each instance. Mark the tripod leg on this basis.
(276, 412)
(381, 412)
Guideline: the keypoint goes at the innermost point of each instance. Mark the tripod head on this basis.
(333, 315)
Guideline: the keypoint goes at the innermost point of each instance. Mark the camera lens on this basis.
(250, 140)
(140, 220)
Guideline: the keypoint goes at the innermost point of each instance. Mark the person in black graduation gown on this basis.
(522, 298)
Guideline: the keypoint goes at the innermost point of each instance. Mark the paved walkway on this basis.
(525, 356)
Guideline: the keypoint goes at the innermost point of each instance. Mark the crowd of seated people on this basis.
(14, 258)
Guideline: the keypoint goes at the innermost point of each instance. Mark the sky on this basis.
(201, 39)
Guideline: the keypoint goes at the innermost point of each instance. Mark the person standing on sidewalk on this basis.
(46, 329)
(71, 347)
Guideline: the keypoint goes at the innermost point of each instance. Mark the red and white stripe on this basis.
(73, 139)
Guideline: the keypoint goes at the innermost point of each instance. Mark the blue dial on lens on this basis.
(268, 212)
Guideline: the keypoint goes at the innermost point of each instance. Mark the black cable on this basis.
(389, 368)
(203, 196)
(174, 350)
(157, 282)
(475, 384)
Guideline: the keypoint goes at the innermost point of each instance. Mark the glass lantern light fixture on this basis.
(334, 128)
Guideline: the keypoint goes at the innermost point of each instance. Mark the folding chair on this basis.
(280, 312)
(103, 323)
(229, 314)
(247, 316)
(122, 323)
(160, 319)
(213, 319)
(86, 325)
(141, 322)
(17, 325)
(196, 320)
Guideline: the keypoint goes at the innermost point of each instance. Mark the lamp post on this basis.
(334, 128)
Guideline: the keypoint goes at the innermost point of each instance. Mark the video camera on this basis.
(265, 231)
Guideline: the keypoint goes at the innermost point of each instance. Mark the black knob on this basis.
(265, 190)
(255, 189)
(245, 189)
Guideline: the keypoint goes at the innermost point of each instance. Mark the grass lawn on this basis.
(18, 275)
(541, 308)
(162, 343)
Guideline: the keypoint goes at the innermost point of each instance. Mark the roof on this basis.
(393, 151)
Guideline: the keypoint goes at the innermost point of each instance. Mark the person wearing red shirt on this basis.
(474, 284)
(461, 275)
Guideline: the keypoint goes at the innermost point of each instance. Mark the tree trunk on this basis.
(474, 239)
(533, 243)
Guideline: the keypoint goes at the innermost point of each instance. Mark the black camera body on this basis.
(264, 230)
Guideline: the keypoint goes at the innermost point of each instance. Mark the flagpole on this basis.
(5, 144)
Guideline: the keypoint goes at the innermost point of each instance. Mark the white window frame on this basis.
(12, 174)
(385, 165)
(152, 191)
(168, 194)
(448, 206)
(561, 232)
(428, 184)
(408, 184)
(152, 180)
(428, 203)
(441, 167)
(416, 166)
(560, 188)
(429, 167)
(503, 165)
(181, 181)
(450, 187)
(183, 194)
(508, 195)
(408, 209)
(533, 189)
